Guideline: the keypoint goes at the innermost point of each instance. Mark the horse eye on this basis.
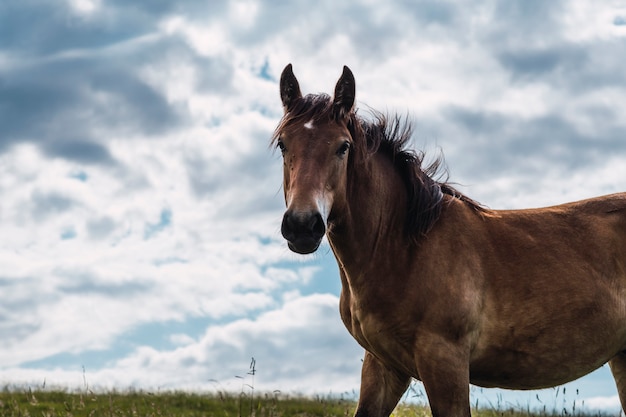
(343, 149)
(281, 146)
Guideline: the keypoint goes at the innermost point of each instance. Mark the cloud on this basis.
(326, 355)
(231, 346)
(549, 140)
(539, 62)
(72, 101)
(141, 205)
(165, 220)
(44, 205)
(100, 228)
(79, 150)
(603, 403)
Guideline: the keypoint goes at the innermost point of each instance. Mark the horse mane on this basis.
(426, 185)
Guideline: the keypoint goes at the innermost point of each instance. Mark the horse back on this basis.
(587, 234)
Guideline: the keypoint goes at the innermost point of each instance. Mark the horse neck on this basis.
(375, 214)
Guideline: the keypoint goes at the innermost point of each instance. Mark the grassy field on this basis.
(48, 403)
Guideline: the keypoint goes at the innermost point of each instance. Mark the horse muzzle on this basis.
(303, 231)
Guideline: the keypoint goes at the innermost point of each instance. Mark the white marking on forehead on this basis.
(309, 124)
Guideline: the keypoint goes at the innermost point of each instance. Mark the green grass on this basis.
(48, 403)
(60, 403)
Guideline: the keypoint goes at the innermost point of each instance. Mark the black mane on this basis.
(425, 185)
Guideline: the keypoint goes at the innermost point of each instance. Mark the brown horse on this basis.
(436, 287)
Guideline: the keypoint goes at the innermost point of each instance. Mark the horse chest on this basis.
(382, 336)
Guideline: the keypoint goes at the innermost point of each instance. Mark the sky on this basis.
(140, 202)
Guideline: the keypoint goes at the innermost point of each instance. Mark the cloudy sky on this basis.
(140, 203)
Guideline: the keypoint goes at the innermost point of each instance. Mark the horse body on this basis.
(533, 299)
(518, 299)
(554, 305)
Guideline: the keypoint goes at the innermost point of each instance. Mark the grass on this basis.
(179, 404)
(49, 403)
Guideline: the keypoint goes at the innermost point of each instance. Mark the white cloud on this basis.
(85, 7)
(299, 346)
(138, 189)
(603, 403)
(587, 21)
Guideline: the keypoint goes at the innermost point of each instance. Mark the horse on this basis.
(435, 286)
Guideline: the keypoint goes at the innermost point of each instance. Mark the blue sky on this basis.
(141, 204)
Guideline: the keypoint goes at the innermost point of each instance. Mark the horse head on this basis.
(315, 143)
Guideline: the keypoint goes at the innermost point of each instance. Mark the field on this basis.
(48, 403)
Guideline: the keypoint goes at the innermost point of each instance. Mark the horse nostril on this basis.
(297, 225)
(287, 226)
(316, 225)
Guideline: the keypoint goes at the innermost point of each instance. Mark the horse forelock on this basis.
(309, 109)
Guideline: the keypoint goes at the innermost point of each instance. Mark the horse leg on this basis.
(381, 388)
(443, 367)
(618, 369)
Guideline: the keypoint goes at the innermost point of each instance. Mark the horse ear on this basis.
(344, 94)
(289, 88)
